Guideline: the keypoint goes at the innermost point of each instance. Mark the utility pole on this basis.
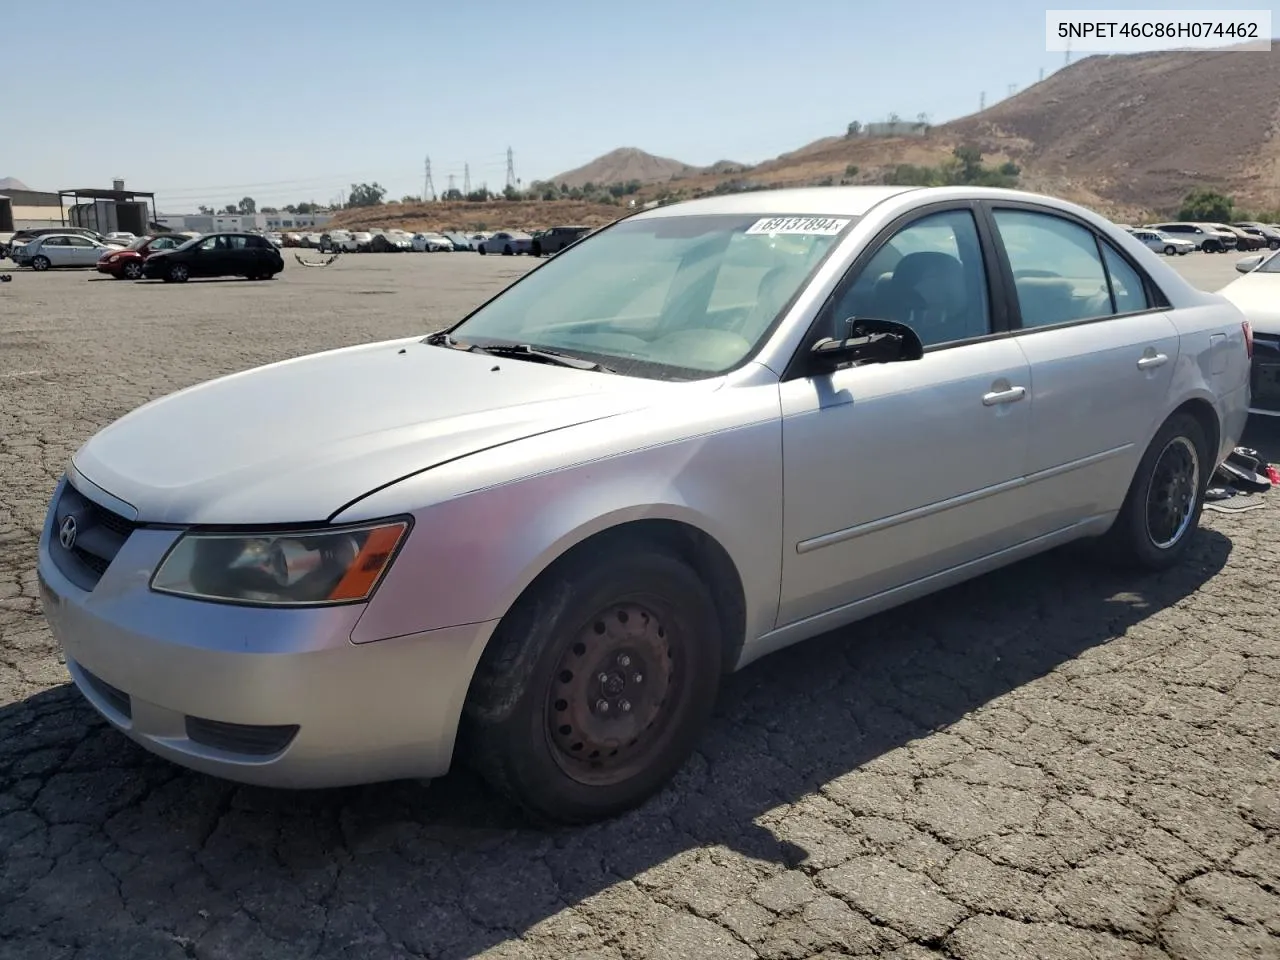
(1066, 61)
(466, 179)
(982, 101)
(1042, 73)
(428, 187)
(511, 168)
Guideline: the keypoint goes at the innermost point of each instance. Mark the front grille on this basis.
(99, 535)
(243, 738)
(118, 699)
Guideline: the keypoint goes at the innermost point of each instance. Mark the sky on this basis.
(289, 101)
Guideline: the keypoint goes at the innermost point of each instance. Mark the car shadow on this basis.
(447, 868)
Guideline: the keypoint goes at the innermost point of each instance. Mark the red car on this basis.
(126, 264)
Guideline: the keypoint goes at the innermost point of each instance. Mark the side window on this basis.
(237, 243)
(930, 275)
(1056, 268)
(78, 242)
(57, 242)
(1126, 284)
(210, 244)
(257, 243)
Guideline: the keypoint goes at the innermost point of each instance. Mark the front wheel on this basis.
(483, 251)
(1162, 508)
(1170, 250)
(507, 251)
(178, 273)
(133, 270)
(594, 689)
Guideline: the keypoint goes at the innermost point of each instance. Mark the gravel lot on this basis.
(1050, 762)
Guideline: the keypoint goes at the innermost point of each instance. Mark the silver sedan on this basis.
(537, 541)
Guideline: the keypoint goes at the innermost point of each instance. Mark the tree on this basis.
(207, 211)
(304, 208)
(454, 194)
(854, 129)
(230, 208)
(247, 205)
(851, 170)
(1207, 206)
(511, 193)
(479, 196)
(410, 198)
(270, 210)
(366, 194)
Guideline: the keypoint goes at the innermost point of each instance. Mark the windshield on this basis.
(1270, 265)
(672, 296)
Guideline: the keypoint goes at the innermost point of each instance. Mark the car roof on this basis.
(827, 201)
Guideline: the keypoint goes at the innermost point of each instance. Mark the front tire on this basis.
(133, 270)
(507, 251)
(483, 251)
(1170, 250)
(595, 687)
(178, 273)
(1161, 511)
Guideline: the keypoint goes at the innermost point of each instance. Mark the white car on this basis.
(1257, 294)
(362, 240)
(1205, 236)
(338, 241)
(61, 250)
(1163, 242)
(705, 433)
(431, 242)
(123, 236)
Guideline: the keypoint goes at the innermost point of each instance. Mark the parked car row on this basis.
(503, 242)
(172, 257)
(1182, 237)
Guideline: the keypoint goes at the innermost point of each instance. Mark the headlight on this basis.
(295, 568)
(112, 258)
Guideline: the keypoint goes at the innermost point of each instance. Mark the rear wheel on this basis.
(594, 689)
(1162, 508)
(41, 263)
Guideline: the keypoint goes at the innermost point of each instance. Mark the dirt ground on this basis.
(1050, 762)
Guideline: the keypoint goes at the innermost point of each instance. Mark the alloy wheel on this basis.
(1172, 493)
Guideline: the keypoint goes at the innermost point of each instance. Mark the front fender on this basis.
(471, 556)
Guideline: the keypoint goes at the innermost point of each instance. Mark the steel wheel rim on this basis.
(612, 699)
(1172, 492)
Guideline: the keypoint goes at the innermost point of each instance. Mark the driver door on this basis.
(895, 472)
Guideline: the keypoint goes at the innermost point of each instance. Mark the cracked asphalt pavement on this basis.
(1054, 761)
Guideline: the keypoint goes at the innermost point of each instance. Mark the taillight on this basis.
(1248, 338)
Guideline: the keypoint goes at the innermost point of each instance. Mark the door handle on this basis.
(1003, 396)
(1152, 361)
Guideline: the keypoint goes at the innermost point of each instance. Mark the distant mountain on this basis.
(623, 165)
(12, 183)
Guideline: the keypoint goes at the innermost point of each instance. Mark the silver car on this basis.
(537, 541)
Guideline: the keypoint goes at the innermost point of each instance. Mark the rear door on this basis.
(1102, 350)
(57, 250)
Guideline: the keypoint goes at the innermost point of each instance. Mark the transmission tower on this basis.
(1013, 87)
(466, 179)
(511, 168)
(428, 187)
(1066, 61)
(1042, 73)
(449, 192)
(982, 101)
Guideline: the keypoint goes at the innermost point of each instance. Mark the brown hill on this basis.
(622, 166)
(1128, 135)
(1147, 128)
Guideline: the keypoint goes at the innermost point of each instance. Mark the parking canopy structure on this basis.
(110, 210)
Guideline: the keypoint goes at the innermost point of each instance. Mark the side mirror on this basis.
(1248, 263)
(869, 341)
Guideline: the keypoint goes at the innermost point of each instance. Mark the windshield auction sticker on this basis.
(800, 226)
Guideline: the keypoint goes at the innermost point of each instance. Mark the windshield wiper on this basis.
(443, 339)
(525, 351)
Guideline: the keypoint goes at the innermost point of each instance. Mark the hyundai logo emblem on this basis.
(67, 533)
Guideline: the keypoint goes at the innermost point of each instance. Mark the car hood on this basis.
(1258, 297)
(298, 440)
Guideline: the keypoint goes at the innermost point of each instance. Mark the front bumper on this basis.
(1264, 375)
(274, 697)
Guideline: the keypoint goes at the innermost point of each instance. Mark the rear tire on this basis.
(41, 263)
(1161, 511)
(594, 689)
